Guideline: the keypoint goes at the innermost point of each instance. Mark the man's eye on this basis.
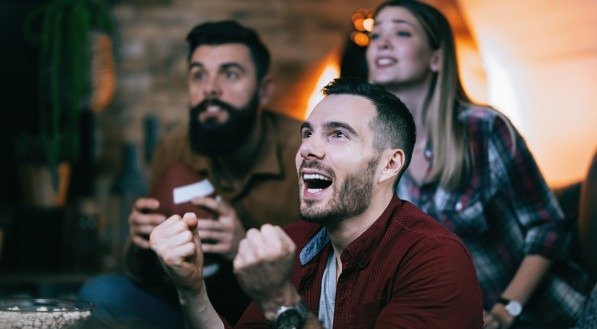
(373, 36)
(306, 133)
(339, 134)
(197, 76)
(403, 33)
(231, 75)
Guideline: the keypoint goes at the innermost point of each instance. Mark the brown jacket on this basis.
(268, 194)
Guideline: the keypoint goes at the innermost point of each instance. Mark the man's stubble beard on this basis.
(351, 200)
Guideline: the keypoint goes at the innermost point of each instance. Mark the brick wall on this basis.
(151, 56)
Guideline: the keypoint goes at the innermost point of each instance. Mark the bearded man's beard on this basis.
(213, 138)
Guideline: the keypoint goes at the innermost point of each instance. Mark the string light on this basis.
(362, 22)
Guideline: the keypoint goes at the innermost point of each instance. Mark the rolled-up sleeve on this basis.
(515, 173)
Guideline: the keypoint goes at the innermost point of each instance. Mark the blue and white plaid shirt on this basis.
(505, 212)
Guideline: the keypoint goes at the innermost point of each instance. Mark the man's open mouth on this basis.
(316, 182)
(213, 108)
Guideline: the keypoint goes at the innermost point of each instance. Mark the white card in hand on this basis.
(186, 193)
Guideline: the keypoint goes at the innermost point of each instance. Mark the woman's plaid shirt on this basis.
(504, 212)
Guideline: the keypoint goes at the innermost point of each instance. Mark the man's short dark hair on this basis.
(393, 127)
(224, 32)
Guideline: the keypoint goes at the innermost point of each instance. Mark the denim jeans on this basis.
(120, 303)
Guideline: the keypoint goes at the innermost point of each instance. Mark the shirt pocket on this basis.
(464, 216)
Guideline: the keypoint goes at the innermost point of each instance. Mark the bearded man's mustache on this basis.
(205, 104)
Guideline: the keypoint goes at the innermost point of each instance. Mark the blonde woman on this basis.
(473, 172)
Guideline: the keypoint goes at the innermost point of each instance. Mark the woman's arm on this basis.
(529, 275)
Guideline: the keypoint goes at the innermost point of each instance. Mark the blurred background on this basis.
(88, 87)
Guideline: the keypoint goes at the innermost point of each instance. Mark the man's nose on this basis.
(312, 148)
(212, 89)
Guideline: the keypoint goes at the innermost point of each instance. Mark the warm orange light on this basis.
(362, 21)
(330, 71)
(368, 24)
(360, 38)
(542, 79)
(356, 16)
(358, 24)
(305, 92)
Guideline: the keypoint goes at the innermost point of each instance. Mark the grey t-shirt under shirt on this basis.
(327, 300)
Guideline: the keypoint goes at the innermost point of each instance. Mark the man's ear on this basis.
(266, 89)
(435, 64)
(394, 161)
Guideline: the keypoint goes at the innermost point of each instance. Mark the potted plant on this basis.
(62, 31)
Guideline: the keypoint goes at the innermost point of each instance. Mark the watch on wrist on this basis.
(513, 307)
(291, 317)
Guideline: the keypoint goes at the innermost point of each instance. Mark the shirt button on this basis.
(459, 206)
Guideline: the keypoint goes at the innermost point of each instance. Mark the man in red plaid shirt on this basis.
(362, 258)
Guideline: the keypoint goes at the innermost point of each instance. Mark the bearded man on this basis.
(361, 257)
(246, 152)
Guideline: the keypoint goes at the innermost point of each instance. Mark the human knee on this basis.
(105, 288)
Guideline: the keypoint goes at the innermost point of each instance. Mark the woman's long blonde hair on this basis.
(452, 160)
